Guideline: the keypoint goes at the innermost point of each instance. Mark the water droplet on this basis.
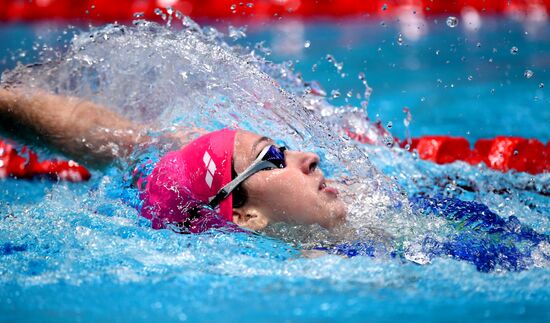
(335, 94)
(307, 44)
(514, 50)
(408, 117)
(384, 7)
(400, 39)
(236, 33)
(470, 77)
(452, 21)
(389, 125)
(541, 85)
(528, 74)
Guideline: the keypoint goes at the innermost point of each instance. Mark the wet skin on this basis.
(296, 194)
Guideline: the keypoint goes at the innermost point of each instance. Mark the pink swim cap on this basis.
(184, 181)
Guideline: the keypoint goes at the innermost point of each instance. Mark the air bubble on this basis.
(307, 44)
(335, 94)
(139, 15)
(233, 7)
(384, 7)
(528, 74)
(514, 50)
(470, 77)
(452, 21)
(389, 125)
(541, 85)
(250, 5)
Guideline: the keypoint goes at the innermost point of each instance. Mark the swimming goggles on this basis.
(269, 158)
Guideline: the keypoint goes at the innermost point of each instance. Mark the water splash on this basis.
(191, 76)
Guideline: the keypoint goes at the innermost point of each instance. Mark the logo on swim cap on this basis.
(210, 168)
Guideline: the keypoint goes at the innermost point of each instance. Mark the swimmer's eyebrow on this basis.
(259, 141)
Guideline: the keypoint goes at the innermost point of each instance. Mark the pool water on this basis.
(81, 252)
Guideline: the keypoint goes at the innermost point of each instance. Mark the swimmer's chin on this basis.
(337, 219)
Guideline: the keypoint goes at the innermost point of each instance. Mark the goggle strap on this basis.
(229, 187)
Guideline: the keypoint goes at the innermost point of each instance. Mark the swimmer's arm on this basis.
(82, 129)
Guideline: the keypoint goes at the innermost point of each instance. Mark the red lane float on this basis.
(12, 164)
(501, 153)
(123, 10)
(441, 150)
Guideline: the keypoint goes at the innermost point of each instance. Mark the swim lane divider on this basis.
(124, 10)
(501, 153)
(27, 166)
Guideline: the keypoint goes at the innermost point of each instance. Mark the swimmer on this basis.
(245, 177)
(240, 180)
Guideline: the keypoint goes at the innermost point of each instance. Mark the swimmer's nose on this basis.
(309, 162)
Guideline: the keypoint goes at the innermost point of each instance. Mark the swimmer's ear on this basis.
(249, 218)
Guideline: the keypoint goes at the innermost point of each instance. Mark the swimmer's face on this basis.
(296, 194)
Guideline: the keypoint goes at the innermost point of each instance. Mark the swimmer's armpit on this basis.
(82, 129)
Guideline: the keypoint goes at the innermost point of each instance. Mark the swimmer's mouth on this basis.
(328, 189)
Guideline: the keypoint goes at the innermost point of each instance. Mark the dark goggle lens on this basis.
(276, 156)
